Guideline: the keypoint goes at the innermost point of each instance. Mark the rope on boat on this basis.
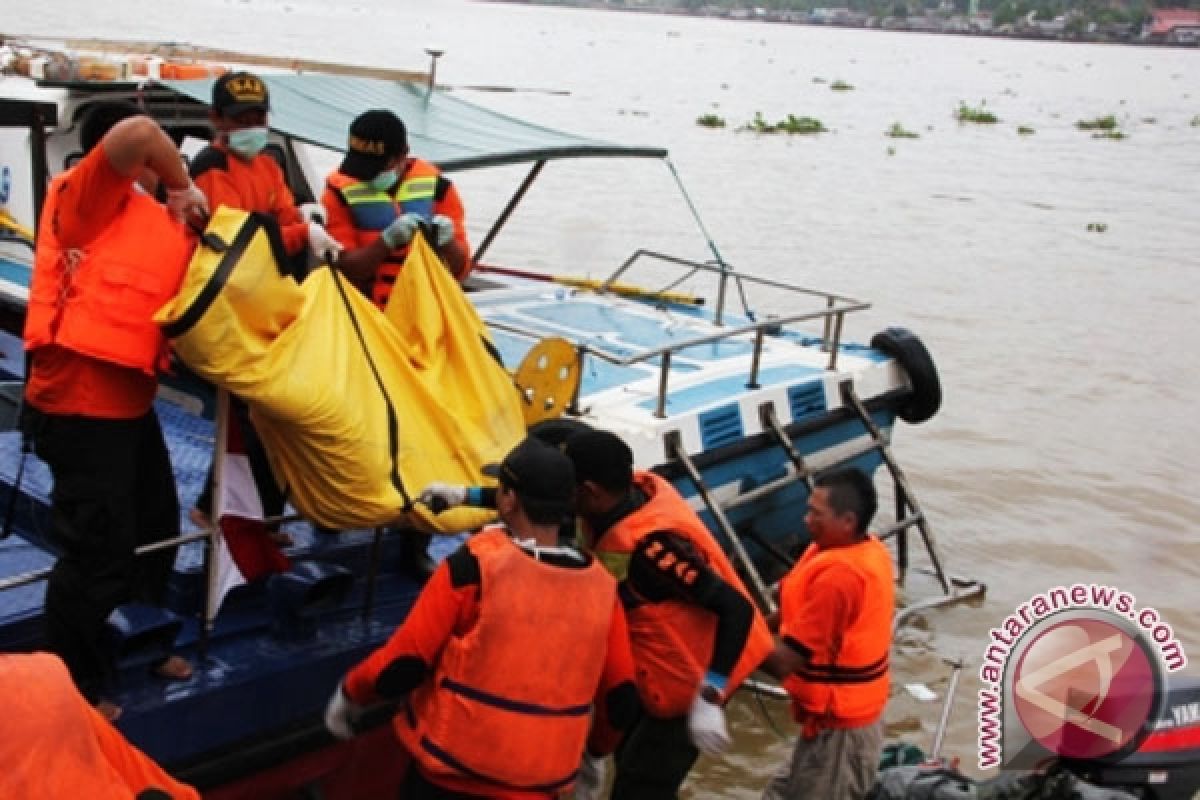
(712, 245)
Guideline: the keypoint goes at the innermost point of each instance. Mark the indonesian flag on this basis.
(243, 549)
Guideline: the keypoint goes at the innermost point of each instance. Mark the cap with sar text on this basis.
(235, 92)
(376, 137)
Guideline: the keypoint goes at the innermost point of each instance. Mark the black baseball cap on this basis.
(235, 92)
(602, 457)
(376, 137)
(541, 475)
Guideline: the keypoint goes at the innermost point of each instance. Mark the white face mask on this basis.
(385, 180)
(247, 142)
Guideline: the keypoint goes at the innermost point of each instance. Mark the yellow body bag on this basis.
(358, 411)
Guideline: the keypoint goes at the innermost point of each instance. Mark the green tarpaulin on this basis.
(452, 133)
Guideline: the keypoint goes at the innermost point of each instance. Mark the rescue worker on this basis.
(60, 748)
(108, 256)
(235, 171)
(835, 624)
(694, 632)
(506, 651)
(377, 199)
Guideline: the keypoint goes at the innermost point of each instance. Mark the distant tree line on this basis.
(1003, 11)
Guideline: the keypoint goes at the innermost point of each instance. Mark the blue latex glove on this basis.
(401, 231)
(443, 229)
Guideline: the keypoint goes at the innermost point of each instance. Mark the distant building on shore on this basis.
(1173, 26)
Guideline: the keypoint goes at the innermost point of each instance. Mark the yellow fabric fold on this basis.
(295, 353)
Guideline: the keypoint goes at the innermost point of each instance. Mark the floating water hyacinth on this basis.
(979, 115)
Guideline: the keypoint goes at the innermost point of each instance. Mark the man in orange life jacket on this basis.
(108, 256)
(57, 747)
(694, 631)
(378, 198)
(835, 621)
(508, 649)
(235, 171)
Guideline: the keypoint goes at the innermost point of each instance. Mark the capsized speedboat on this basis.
(740, 410)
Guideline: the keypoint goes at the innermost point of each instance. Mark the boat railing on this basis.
(832, 315)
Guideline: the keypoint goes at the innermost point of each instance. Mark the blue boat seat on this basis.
(297, 597)
(142, 634)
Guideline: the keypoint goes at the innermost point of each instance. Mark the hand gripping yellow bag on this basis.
(357, 413)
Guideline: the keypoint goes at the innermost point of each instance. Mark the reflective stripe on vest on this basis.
(99, 301)
(510, 702)
(850, 684)
(672, 641)
(373, 210)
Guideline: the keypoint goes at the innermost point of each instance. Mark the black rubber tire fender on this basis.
(909, 351)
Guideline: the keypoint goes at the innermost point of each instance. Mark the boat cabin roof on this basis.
(453, 133)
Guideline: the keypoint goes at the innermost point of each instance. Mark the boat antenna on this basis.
(712, 246)
(434, 54)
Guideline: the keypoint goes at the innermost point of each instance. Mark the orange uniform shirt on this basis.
(254, 185)
(90, 195)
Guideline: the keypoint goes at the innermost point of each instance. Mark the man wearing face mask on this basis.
(108, 257)
(377, 199)
(234, 171)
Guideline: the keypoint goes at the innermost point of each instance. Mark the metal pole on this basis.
(739, 550)
(940, 736)
(661, 410)
(434, 55)
(208, 611)
(755, 360)
(508, 210)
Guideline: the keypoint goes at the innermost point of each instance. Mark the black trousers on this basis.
(653, 759)
(113, 492)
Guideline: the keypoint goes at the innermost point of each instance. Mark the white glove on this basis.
(440, 496)
(341, 715)
(401, 231)
(188, 203)
(443, 229)
(589, 783)
(706, 724)
(323, 246)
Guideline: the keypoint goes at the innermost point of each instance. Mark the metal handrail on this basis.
(33, 576)
(36, 575)
(833, 316)
(724, 272)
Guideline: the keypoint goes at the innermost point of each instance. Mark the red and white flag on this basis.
(243, 549)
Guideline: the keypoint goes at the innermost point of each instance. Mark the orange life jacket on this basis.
(57, 746)
(99, 301)
(510, 702)
(672, 641)
(373, 210)
(848, 687)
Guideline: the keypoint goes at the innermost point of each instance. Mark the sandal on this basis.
(173, 668)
